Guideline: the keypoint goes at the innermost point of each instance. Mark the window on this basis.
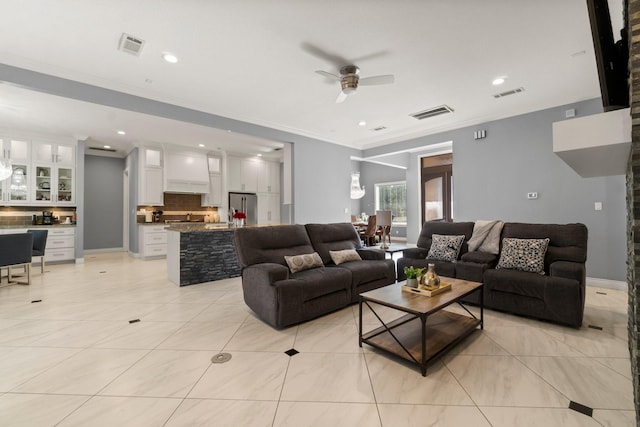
(392, 196)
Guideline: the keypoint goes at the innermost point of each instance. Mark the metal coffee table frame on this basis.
(443, 329)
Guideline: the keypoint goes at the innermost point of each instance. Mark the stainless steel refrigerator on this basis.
(247, 203)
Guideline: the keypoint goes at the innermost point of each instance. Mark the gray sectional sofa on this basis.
(282, 298)
(557, 294)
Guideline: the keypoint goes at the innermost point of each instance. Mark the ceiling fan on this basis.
(349, 79)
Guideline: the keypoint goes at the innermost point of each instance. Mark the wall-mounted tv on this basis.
(612, 57)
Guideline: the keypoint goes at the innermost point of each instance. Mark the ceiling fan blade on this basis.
(337, 60)
(341, 97)
(328, 75)
(377, 80)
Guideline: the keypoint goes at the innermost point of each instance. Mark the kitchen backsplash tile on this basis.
(177, 206)
(22, 216)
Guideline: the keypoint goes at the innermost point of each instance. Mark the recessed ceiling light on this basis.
(121, 132)
(200, 145)
(170, 57)
(259, 155)
(107, 146)
(362, 123)
(498, 80)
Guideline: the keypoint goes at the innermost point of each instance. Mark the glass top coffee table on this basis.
(426, 331)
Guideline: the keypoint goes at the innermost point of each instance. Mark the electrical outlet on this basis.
(598, 206)
(532, 195)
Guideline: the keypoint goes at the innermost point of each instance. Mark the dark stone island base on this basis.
(198, 254)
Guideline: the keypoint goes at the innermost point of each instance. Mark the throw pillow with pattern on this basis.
(445, 247)
(303, 262)
(338, 257)
(523, 254)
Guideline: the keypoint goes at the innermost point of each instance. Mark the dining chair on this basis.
(15, 251)
(368, 235)
(39, 245)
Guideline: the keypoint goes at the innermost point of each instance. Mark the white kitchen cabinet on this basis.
(151, 180)
(53, 178)
(242, 174)
(268, 208)
(52, 185)
(15, 190)
(61, 245)
(48, 153)
(152, 241)
(269, 177)
(214, 197)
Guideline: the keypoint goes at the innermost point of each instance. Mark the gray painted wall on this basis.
(80, 202)
(492, 177)
(131, 166)
(103, 202)
(322, 176)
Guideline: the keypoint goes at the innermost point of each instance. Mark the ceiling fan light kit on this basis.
(350, 79)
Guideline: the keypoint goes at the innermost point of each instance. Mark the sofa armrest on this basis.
(371, 254)
(415, 253)
(569, 270)
(267, 273)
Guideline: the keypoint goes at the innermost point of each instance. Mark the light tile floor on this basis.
(74, 359)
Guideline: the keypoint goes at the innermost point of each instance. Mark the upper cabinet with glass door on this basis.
(54, 171)
(15, 189)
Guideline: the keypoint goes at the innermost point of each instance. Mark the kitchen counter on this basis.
(4, 227)
(200, 253)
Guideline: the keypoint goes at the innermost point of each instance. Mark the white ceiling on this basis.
(254, 60)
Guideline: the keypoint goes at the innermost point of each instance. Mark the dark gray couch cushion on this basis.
(446, 228)
(332, 237)
(322, 281)
(567, 242)
(369, 271)
(255, 245)
(480, 257)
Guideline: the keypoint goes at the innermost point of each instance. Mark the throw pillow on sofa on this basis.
(523, 254)
(303, 262)
(445, 247)
(338, 257)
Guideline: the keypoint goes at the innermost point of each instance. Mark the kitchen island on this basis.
(198, 253)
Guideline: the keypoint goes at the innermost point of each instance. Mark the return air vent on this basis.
(110, 150)
(509, 92)
(443, 109)
(130, 44)
(379, 128)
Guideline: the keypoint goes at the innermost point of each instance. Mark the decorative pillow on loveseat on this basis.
(338, 257)
(523, 254)
(445, 247)
(303, 262)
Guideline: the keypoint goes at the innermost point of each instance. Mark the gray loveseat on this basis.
(558, 295)
(282, 298)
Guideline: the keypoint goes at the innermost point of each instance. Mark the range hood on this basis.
(597, 145)
(186, 172)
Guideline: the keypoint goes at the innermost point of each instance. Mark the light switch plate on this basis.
(598, 206)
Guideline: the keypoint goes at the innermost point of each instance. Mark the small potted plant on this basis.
(239, 217)
(412, 274)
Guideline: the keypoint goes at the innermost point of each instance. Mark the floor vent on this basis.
(111, 150)
(130, 44)
(379, 128)
(509, 92)
(431, 112)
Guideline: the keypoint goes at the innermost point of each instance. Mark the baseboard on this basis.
(103, 250)
(606, 283)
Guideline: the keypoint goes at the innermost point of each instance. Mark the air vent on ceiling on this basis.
(431, 112)
(130, 44)
(379, 128)
(111, 150)
(509, 92)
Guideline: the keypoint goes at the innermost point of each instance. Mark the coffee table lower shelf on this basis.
(442, 331)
